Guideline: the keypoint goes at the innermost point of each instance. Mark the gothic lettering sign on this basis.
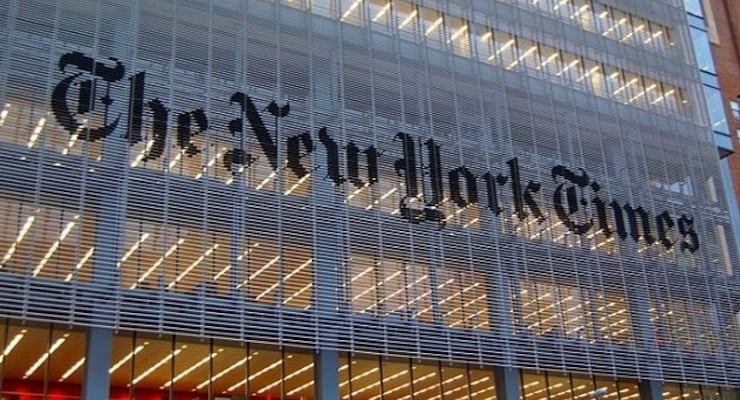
(575, 193)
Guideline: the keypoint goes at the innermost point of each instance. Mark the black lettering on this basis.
(159, 130)
(571, 197)
(494, 203)
(516, 188)
(470, 184)
(632, 214)
(268, 145)
(601, 215)
(690, 240)
(86, 96)
(619, 220)
(185, 133)
(332, 157)
(136, 108)
(353, 165)
(632, 221)
(533, 187)
(523, 197)
(406, 166)
(435, 173)
(237, 156)
(295, 155)
(664, 222)
(96, 68)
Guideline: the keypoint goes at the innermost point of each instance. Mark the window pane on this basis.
(735, 106)
(40, 359)
(693, 6)
(702, 50)
(716, 110)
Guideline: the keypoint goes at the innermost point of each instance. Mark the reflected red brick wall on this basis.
(726, 53)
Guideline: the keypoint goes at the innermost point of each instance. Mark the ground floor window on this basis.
(41, 361)
(48, 362)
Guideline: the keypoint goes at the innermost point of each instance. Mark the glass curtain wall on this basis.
(45, 361)
(41, 361)
(374, 378)
(146, 366)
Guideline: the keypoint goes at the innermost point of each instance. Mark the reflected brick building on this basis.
(725, 28)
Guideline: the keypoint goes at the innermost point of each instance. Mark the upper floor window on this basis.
(693, 6)
(735, 106)
(702, 50)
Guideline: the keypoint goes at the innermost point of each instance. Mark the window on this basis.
(693, 6)
(735, 106)
(702, 50)
(717, 112)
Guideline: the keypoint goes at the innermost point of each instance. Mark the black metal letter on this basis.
(471, 185)
(295, 155)
(571, 196)
(494, 204)
(353, 165)
(185, 133)
(332, 157)
(86, 96)
(159, 130)
(690, 240)
(136, 108)
(664, 223)
(269, 146)
(435, 173)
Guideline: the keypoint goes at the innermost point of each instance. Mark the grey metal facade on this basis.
(507, 183)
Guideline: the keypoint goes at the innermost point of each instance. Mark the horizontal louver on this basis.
(447, 183)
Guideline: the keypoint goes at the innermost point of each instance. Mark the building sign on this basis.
(574, 194)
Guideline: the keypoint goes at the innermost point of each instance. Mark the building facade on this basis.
(361, 199)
